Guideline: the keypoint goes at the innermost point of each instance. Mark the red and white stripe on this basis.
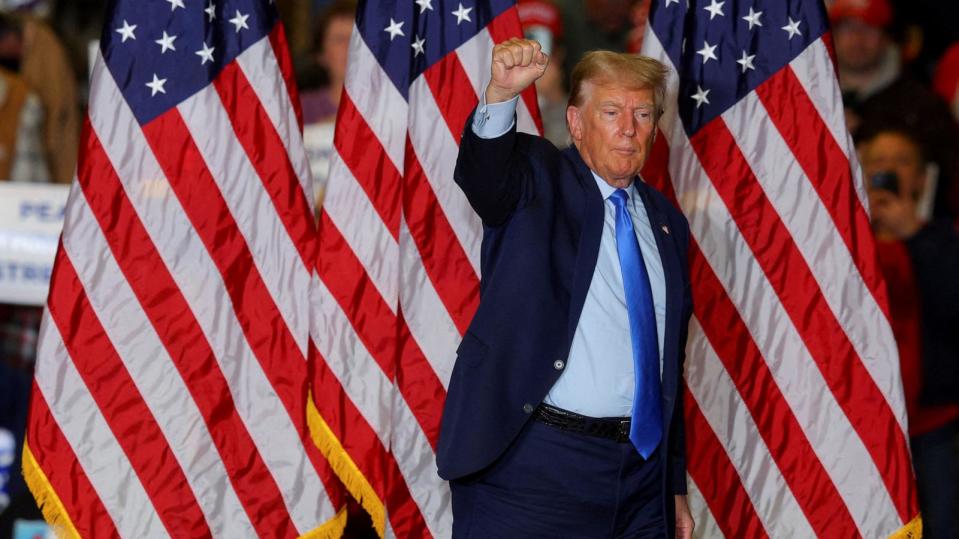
(171, 374)
(398, 273)
(795, 415)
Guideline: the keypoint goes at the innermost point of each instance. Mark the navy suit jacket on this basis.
(542, 219)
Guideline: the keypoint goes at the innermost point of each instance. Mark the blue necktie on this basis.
(646, 427)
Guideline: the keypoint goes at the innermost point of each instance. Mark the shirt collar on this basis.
(607, 190)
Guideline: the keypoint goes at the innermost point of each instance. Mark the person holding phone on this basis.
(920, 262)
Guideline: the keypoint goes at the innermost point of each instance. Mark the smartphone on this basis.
(886, 180)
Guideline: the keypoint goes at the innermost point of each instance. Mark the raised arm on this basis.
(489, 168)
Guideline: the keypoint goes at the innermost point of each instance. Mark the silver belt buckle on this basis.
(623, 430)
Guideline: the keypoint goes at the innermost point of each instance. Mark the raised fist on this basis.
(517, 63)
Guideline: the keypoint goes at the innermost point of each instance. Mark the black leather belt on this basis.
(611, 428)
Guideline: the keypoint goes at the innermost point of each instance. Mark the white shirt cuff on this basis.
(491, 121)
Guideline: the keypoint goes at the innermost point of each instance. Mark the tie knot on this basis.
(619, 198)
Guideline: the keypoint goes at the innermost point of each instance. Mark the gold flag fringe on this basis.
(912, 530)
(341, 462)
(332, 529)
(58, 519)
(48, 501)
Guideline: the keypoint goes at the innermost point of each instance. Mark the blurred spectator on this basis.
(920, 261)
(29, 47)
(296, 16)
(79, 23)
(946, 79)
(541, 21)
(639, 18)
(868, 59)
(332, 45)
(40, 8)
(22, 158)
(593, 24)
(877, 94)
(934, 21)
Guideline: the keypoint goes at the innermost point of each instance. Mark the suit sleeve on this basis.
(677, 437)
(491, 172)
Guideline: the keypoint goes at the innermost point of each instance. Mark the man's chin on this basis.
(627, 172)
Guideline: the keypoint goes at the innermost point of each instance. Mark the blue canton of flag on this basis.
(724, 50)
(407, 37)
(163, 51)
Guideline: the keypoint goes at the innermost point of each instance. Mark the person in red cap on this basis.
(946, 80)
(877, 93)
(542, 22)
(868, 59)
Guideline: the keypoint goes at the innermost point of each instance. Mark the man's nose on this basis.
(627, 125)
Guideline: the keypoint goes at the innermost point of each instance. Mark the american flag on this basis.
(398, 269)
(795, 414)
(171, 382)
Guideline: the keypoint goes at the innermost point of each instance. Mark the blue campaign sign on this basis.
(32, 529)
(43, 210)
(31, 217)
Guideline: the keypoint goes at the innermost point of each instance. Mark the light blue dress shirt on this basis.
(598, 378)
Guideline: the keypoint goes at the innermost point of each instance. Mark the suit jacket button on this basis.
(528, 408)
(559, 364)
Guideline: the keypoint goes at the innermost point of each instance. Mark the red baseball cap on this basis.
(876, 13)
(946, 80)
(542, 13)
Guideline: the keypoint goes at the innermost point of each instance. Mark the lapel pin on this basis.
(666, 229)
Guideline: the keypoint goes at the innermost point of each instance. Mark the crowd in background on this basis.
(898, 63)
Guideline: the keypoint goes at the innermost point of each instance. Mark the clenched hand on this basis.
(517, 63)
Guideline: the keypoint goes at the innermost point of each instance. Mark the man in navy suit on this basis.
(564, 412)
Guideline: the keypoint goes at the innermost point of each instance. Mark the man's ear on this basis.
(574, 121)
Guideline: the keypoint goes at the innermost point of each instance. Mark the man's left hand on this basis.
(684, 519)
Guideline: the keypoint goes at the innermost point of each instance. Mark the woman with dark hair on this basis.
(332, 44)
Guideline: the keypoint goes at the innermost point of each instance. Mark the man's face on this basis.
(891, 152)
(859, 46)
(613, 130)
(336, 47)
